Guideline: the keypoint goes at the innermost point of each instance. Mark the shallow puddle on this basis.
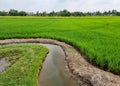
(53, 72)
(3, 64)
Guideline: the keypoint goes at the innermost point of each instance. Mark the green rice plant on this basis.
(96, 37)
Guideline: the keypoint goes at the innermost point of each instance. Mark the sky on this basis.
(56, 5)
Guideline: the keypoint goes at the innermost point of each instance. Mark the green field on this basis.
(96, 37)
(26, 60)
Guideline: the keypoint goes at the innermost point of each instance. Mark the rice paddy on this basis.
(98, 38)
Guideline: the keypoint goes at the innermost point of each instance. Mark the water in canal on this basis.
(3, 64)
(53, 71)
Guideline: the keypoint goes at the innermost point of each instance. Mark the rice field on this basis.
(98, 38)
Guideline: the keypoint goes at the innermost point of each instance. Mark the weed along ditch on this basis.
(53, 72)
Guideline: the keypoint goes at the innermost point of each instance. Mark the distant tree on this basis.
(77, 14)
(37, 13)
(88, 14)
(109, 13)
(22, 13)
(114, 12)
(30, 14)
(3, 13)
(105, 13)
(65, 13)
(118, 13)
(44, 13)
(98, 13)
(53, 13)
(13, 12)
(40, 14)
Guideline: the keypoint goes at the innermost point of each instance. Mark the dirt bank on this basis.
(81, 70)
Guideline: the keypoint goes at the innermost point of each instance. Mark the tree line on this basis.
(64, 12)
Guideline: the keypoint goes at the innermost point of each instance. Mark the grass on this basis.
(96, 37)
(26, 61)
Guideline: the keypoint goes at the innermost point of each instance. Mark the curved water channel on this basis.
(53, 72)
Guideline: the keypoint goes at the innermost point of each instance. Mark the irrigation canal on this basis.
(54, 72)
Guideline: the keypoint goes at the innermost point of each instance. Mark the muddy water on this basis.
(53, 72)
(3, 64)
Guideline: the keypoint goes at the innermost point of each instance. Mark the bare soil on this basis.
(79, 68)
